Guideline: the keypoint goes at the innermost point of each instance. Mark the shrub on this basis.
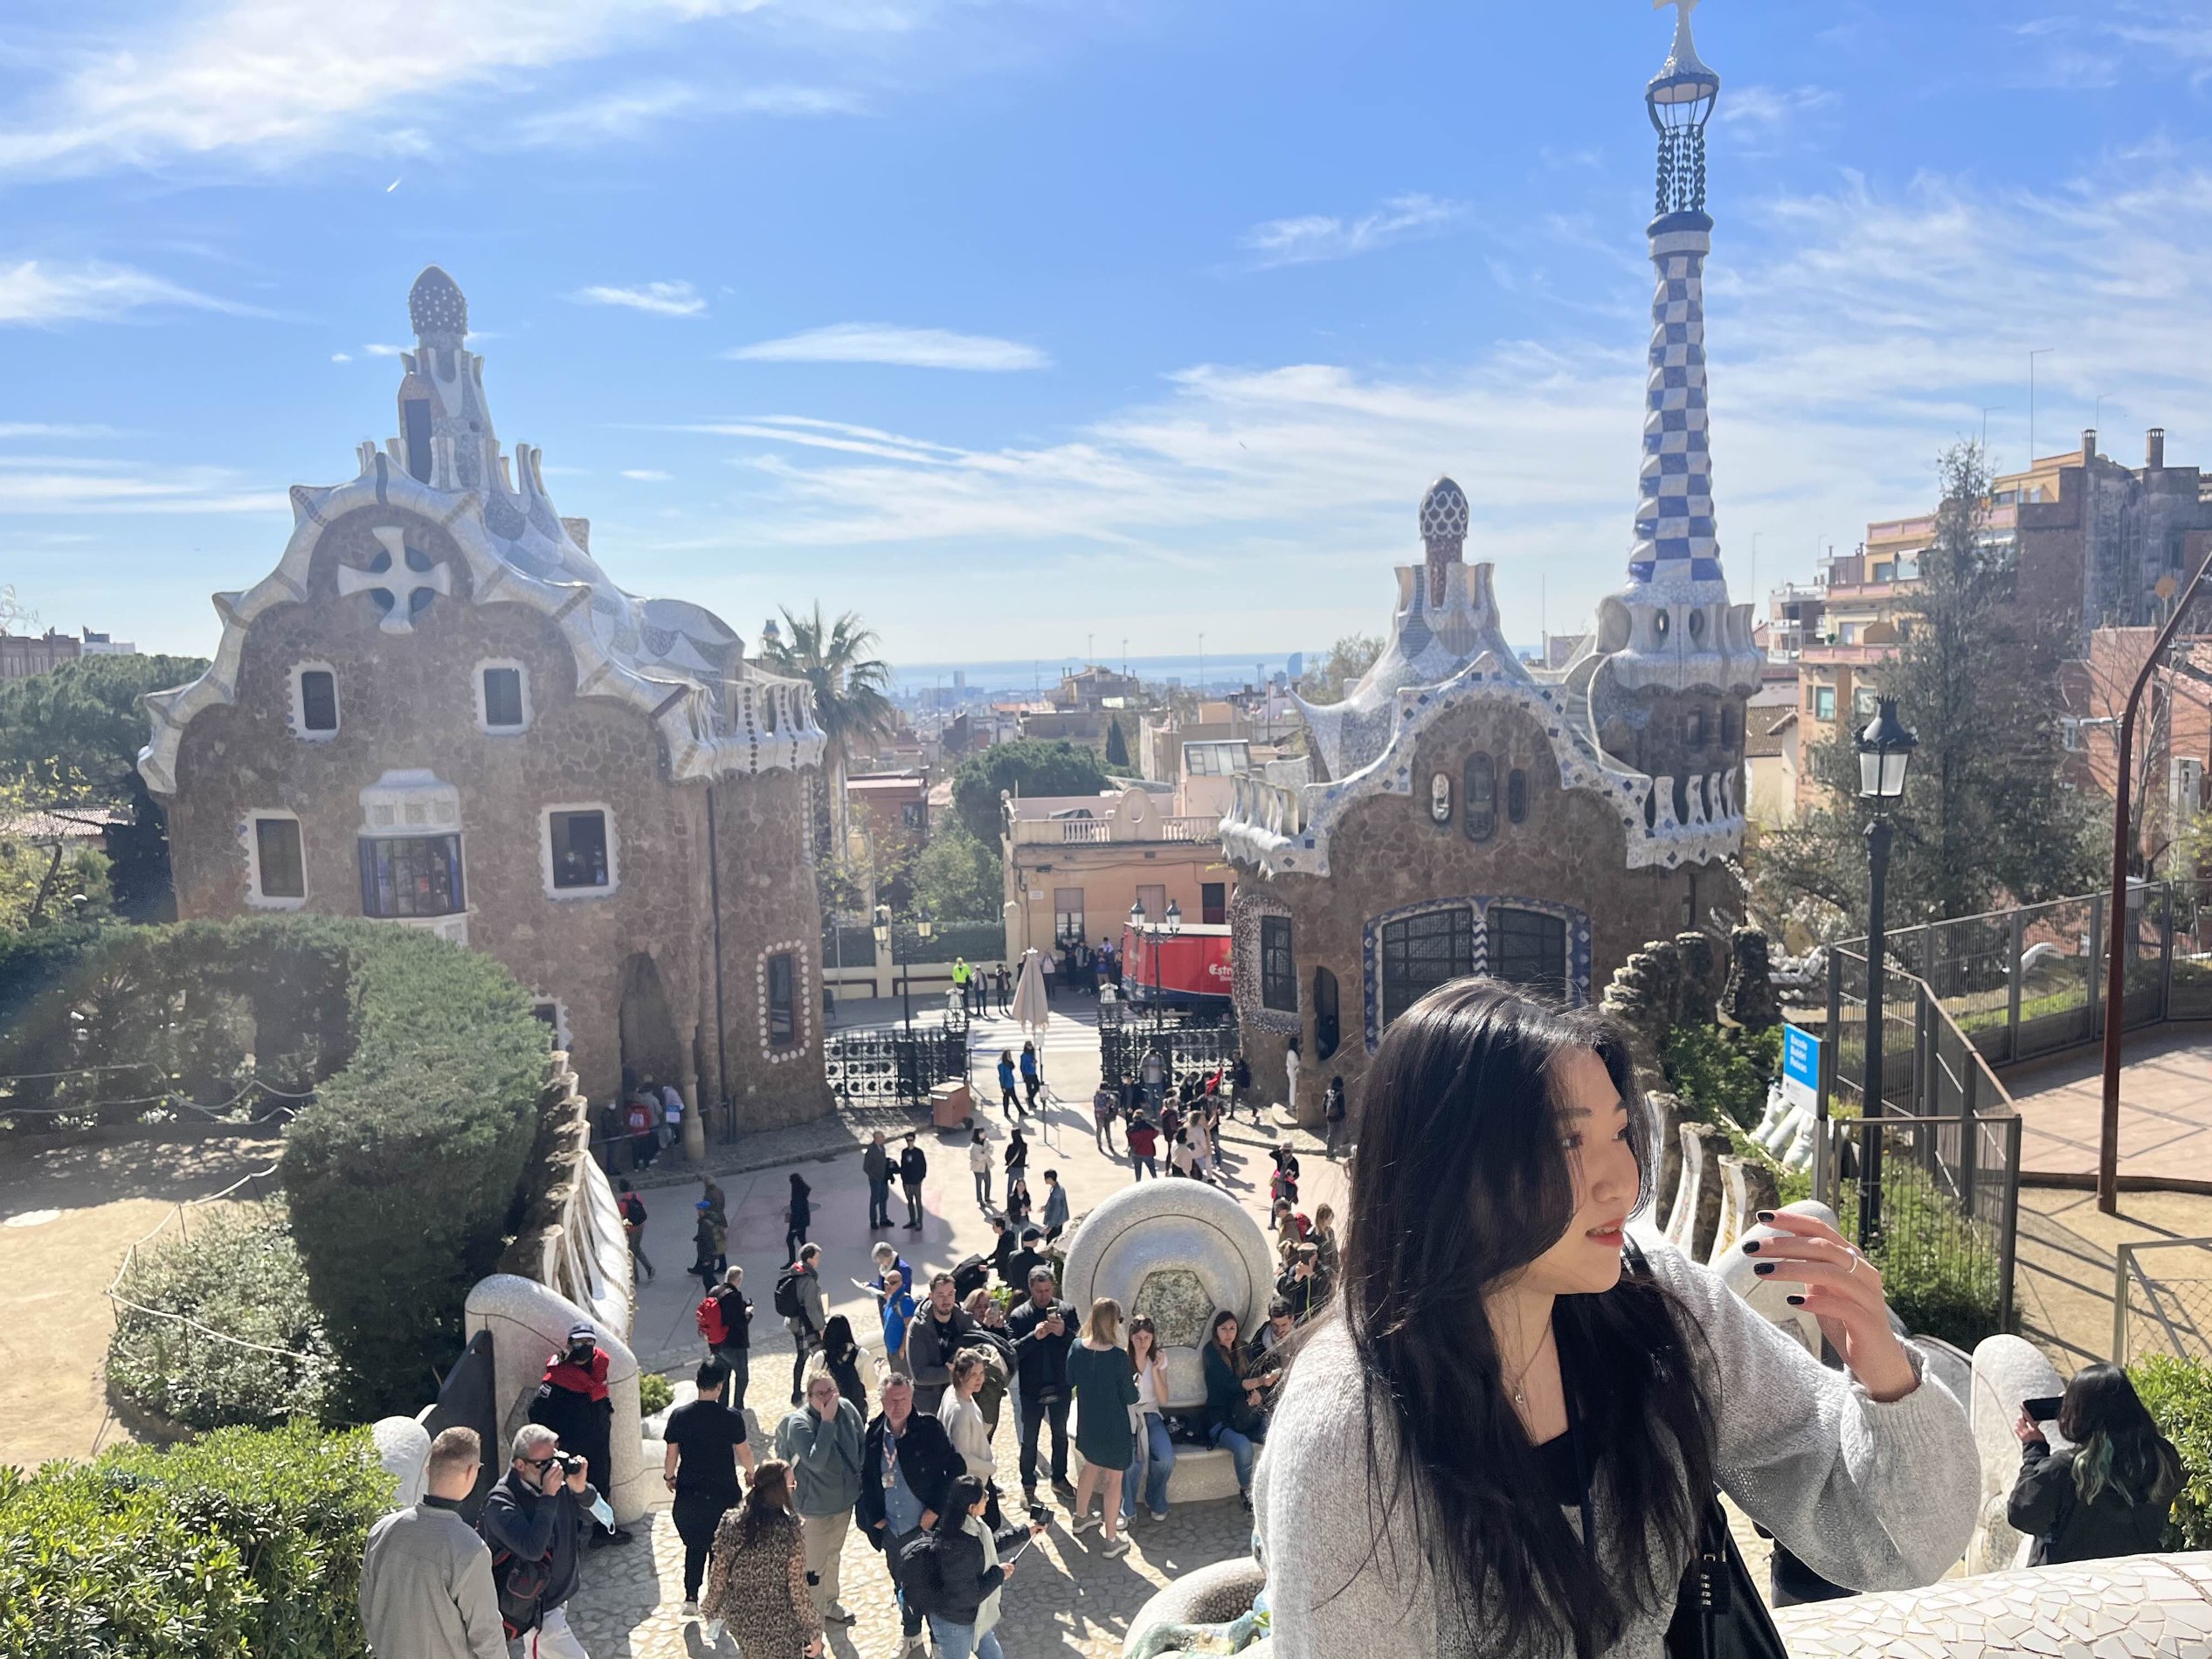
(1721, 1074)
(1938, 1268)
(656, 1393)
(246, 1543)
(403, 1174)
(2179, 1394)
(237, 1272)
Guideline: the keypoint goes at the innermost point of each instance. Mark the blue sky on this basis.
(1012, 322)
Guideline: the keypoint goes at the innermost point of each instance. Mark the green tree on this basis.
(1348, 659)
(1988, 814)
(956, 878)
(852, 693)
(1030, 767)
(71, 737)
(1117, 746)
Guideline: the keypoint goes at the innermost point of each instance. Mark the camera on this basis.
(571, 1463)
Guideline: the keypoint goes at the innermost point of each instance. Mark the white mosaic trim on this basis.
(1259, 828)
(802, 1003)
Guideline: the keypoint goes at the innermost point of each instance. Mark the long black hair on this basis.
(1460, 1100)
(2119, 1449)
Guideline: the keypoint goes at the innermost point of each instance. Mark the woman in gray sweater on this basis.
(1491, 1364)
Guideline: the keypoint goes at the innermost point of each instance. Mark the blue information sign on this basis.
(1801, 1065)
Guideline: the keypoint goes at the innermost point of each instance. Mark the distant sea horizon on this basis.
(1042, 674)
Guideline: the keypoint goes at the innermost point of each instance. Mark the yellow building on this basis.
(1076, 863)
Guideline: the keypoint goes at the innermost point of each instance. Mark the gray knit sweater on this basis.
(1878, 1496)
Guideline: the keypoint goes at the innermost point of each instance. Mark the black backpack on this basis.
(787, 1293)
(922, 1575)
(971, 1276)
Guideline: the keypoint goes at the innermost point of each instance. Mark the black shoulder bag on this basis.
(1719, 1611)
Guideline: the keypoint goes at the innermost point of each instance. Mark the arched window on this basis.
(1420, 952)
(1478, 807)
(1327, 1031)
(414, 415)
(1529, 948)
(1517, 796)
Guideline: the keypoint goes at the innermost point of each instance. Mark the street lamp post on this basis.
(1885, 747)
(1174, 921)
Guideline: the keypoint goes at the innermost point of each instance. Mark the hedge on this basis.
(2179, 1395)
(246, 1543)
(404, 1173)
(239, 1273)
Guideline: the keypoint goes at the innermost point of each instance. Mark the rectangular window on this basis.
(1862, 704)
(1823, 702)
(318, 700)
(579, 842)
(503, 698)
(1067, 912)
(1278, 971)
(1529, 948)
(1214, 903)
(411, 875)
(278, 860)
(783, 1000)
(913, 815)
(1422, 952)
(1693, 729)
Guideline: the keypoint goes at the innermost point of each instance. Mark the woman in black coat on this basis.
(2107, 1494)
(972, 1562)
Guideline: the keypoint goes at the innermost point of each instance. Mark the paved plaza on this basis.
(2166, 1107)
(1067, 1599)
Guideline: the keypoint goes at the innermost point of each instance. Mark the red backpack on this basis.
(712, 1325)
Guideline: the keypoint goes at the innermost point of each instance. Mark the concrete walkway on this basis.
(2166, 1107)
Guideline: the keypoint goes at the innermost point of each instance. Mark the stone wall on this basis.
(1389, 852)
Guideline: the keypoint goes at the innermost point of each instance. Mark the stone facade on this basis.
(437, 673)
(1467, 812)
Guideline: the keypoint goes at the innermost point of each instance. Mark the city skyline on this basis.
(794, 324)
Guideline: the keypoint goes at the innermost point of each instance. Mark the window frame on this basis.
(256, 897)
(1278, 965)
(1478, 807)
(1060, 918)
(787, 962)
(1391, 1000)
(299, 729)
(1824, 694)
(522, 697)
(1497, 928)
(1214, 912)
(1328, 1014)
(375, 848)
(566, 895)
(1517, 796)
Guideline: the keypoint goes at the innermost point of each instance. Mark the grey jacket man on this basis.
(929, 1357)
(427, 1587)
(825, 1458)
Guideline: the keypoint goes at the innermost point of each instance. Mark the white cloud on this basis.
(53, 429)
(647, 475)
(342, 356)
(1317, 236)
(887, 344)
(375, 350)
(1836, 378)
(271, 80)
(1771, 107)
(38, 291)
(65, 486)
(661, 299)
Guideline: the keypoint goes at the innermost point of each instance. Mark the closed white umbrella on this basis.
(1031, 1008)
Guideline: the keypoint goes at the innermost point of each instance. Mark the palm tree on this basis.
(851, 685)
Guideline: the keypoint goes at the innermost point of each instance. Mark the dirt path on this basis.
(65, 1219)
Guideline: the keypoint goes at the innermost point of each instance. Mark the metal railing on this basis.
(865, 1069)
(1950, 1138)
(2175, 1306)
(2029, 981)
(1188, 1044)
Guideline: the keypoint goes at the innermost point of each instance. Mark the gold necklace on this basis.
(1518, 1390)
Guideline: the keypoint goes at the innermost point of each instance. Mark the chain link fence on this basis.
(2162, 1300)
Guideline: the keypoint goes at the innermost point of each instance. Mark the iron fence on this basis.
(869, 1068)
(1189, 1044)
(1951, 1142)
(2165, 1311)
(2031, 980)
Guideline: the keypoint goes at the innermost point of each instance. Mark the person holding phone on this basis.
(972, 1565)
(2107, 1494)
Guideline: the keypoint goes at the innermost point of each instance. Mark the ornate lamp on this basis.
(1885, 749)
(1680, 98)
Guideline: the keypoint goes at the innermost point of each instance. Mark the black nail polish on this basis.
(1794, 1301)
(1765, 1215)
(1763, 1266)
(1751, 1247)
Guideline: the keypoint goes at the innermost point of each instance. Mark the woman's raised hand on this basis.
(1843, 1289)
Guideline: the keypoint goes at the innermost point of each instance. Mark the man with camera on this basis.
(534, 1521)
(1043, 1329)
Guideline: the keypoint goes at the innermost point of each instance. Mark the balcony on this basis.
(1819, 652)
(1107, 831)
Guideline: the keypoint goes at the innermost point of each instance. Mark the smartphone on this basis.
(2043, 1408)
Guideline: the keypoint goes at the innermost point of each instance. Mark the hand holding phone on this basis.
(2043, 1408)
